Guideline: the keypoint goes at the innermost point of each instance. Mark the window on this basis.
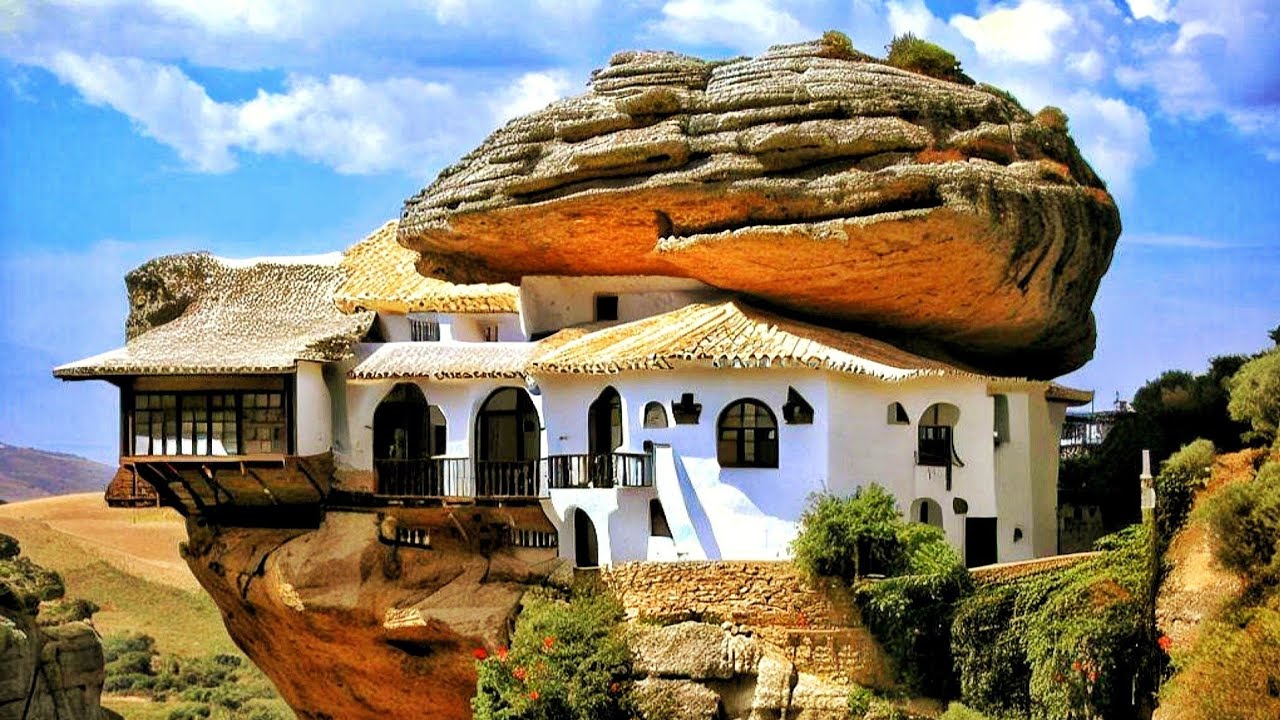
(797, 411)
(606, 307)
(747, 435)
(1001, 430)
(655, 416)
(686, 412)
(424, 330)
(209, 423)
(898, 414)
(658, 525)
(490, 331)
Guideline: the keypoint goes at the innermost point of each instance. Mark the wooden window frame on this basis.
(740, 437)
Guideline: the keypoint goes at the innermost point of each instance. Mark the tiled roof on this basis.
(442, 361)
(1069, 395)
(381, 275)
(732, 334)
(245, 318)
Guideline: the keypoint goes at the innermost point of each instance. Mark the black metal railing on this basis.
(599, 470)
(426, 477)
(463, 477)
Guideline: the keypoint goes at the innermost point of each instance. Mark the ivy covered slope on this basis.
(895, 194)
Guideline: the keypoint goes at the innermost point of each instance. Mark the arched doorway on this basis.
(406, 433)
(927, 511)
(586, 548)
(508, 439)
(604, 435)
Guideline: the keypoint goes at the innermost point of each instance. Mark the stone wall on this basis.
(814, 625)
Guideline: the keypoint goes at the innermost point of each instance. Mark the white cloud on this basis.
(530, 92)
(912, 17)
(1088, 64)
(1157, 10)
(748, 25)
(352, 125)
(1021, 33)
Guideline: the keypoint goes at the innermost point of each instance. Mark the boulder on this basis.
(659, 699)
(692, 650)
(938, 215)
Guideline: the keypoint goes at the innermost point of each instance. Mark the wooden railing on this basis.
(603, 470)
(426, 477)
(508, 478)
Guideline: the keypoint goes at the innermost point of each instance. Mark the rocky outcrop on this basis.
(695, 671)
(350, 626)
(941, 215)
(51, 664)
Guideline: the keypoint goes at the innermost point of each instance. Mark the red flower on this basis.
(1093, 676)
(1059, 677)
(480, 653)
(520, 673)
(1165, 642)
(547, 642)
(533, 695)
(613, 688)
(502, 654)
(1075, 665)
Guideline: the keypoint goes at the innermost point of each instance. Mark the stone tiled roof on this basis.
(442, 361)
(242, 318)
(381, 275)
(732, 334)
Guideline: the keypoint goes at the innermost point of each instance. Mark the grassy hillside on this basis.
(27, 473)
(127, 562)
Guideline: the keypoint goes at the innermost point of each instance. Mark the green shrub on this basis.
(957, 711)
(190, 711)
(859, 701)
(1063, 644)
(908, 52)
(568, 659)
(1246, 519)
(847, 537)
(263, 709)
(115, 645)
(1255, 396)
(911, 613)
(1052, 118)
(1185, 472)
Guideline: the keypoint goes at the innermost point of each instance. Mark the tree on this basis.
(1255, 395)
(848, 537)
(908, 52)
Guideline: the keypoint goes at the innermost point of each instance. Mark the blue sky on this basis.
(132, 129)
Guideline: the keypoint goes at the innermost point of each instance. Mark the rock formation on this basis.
(350, 627)
(51, 664)
(813, 178)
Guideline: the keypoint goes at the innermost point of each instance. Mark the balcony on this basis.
(460, 478)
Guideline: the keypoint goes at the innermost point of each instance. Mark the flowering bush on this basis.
(568, 660)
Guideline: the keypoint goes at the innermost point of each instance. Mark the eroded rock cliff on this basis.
(811, 178)
(51, 665)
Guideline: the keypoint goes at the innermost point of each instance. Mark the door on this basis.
(979, 541)
(604, 435)
(586, 551)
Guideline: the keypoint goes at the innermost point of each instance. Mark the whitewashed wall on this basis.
(454, 327)
(552, 302)
(314, 434)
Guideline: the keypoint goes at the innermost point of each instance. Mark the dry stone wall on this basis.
(813, 625)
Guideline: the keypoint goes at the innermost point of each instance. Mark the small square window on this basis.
(606, 307)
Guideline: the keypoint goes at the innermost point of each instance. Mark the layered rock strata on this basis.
(811, 178)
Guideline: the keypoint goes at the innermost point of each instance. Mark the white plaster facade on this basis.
(1005, 470)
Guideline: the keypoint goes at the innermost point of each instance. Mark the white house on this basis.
(648, 417)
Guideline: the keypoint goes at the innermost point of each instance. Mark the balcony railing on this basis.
(464, 478)
(603, 470)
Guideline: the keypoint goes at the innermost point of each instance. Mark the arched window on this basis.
(747, 435)
(898, 414)
(927, 511)
(508, 435)
(655, 415)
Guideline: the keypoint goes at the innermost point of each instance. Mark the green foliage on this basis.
(958, 711)
(838, 45)
(189, 711)
(911, 613)
(1255, 395)
(1185, 472)
(1246, 518)
(568, 659)
(1063, 644)
(908, 52)
(9, 547)
(1168, 412)
(847, 537)
(24, 585)
(64, 610)
(1052, 117)
(859, 702)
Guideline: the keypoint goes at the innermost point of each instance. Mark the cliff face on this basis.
(810, 178)
(349, 626)
(51, 664)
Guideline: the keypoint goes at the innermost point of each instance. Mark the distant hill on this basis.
(27, 473)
